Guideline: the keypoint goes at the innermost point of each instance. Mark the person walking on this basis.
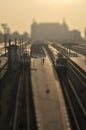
(43, 60)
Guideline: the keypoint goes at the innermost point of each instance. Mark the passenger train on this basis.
(58, 58)
(60, 62)
(25, 59)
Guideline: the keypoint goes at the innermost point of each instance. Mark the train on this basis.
(3, 66)
(60, 62)
(25, 59)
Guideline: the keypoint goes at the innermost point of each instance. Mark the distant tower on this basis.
(85, 33)
(33, 29)
(34, 21)
(64, 25)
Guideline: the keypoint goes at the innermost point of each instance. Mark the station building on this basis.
(53, 31)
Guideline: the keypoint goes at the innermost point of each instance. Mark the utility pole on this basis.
(4, 26)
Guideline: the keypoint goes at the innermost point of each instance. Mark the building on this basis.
(49, 31)
(53, 31)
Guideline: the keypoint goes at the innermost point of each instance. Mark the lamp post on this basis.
(4, 26)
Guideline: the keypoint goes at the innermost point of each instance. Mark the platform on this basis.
(49, 103)
(80, 60)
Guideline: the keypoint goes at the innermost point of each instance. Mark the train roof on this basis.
(12, 46)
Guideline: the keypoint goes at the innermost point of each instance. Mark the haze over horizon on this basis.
(19, 14)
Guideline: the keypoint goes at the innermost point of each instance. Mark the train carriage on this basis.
(60, 62)
(25, 60)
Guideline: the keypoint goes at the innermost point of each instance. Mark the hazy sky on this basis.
(18, 14)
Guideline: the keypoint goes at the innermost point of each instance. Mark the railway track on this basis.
(74, 87)
(73, 82)
(20, 118)
(77, 118)
(78, 79)
(24, 115)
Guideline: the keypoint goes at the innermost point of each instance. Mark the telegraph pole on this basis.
(4, 26)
